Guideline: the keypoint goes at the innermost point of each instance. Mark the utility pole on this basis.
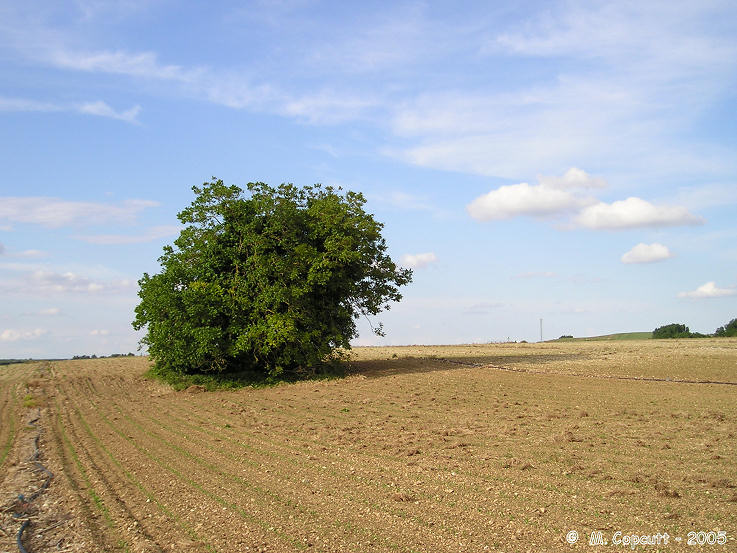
(541, 330)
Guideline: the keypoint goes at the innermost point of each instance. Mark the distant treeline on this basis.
(93, 356)
(678, 330)
(13, 361)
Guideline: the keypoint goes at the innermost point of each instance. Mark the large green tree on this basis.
(269, 280)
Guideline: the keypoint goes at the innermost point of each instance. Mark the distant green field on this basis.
(619, 336)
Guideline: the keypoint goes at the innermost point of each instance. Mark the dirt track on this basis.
(409, 454)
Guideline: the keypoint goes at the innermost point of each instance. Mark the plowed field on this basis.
(422, 449)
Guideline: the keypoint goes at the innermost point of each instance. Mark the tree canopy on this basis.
(270, 281)
(729, 329)
(673, 330)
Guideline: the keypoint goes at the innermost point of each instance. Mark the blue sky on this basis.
(570, 161)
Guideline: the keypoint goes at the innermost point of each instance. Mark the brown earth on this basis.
(503, 447)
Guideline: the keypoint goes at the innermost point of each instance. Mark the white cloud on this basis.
(418, 260)
(113, 239)
(634, 213)
(141, 64)
(627, 79)
(573, 178)
(55, 212)
(708, 290)
(410, 202)
(99, 332)
(48, 281)
(36, 280)
(51, 311)
(102, 109)
(483, 308)
(524, 199)
(536, 274)
(12, 335)
(647, 253)
(704, 196)
(31, 253)
(327, 107)
(24, 104)
(98, 108)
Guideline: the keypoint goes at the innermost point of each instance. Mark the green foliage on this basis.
(270, 282)
(729, 329)
(675, 330)
(566, 336)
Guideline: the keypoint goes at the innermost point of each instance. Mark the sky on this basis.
(566, 161)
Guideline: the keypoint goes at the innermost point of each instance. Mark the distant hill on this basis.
(619, 336)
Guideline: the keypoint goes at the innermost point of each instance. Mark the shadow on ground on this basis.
(377, 368)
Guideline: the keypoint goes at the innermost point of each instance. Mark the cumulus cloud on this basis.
(418, 260)
(634, 213)
(13, 335)
(708, 290)
(553, 195)
(39, 280)
(568, 194)
(49, 281)
(55, 212)
(524, 199)
(647, 253)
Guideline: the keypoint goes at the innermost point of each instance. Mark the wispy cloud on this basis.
(483, 308)
(97, 108)
(410, 202)
(25, 104)
(103, 110)
(635, 76)
(152, 234)
(708, 290)
(647, 253)
(55, 212)
(31, 253)
(536, 274)
(134, 64)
